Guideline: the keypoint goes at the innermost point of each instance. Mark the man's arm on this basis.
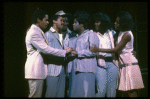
(38, 42)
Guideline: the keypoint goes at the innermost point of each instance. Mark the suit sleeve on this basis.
(48, 37)
(38, 42)
(93, 39)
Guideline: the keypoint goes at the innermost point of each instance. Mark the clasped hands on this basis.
(70, 51)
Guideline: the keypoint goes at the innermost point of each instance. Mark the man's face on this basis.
(76, 26)
(59, 22)
(66, 23)
(44, 23)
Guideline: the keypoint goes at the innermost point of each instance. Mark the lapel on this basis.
(55, 35)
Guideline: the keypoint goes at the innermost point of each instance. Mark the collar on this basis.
(106, 33)
(83, 32)
(38, 28)
(53, 30)
(100, 34)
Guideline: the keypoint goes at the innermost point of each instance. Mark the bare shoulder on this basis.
(127, 36)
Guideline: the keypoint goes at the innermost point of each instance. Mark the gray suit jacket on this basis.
(54, 63)
(35, 45)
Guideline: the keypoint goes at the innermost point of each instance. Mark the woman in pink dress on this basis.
(130, 78)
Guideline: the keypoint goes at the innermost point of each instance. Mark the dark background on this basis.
(17, 19)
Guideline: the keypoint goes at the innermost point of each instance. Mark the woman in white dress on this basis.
(129, 72)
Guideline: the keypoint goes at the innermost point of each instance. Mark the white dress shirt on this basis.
(105, 41)
(60, 38)
(60, 35)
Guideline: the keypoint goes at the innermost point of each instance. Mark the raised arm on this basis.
(38, 42)
(125, 39)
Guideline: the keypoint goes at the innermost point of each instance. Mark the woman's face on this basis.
(97, 25)
(117, 25)
(76, 26)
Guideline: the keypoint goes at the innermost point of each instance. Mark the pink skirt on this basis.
(129, 75)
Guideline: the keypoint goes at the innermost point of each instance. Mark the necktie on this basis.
(44, 37)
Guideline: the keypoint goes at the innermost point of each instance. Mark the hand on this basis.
(94, 49)
(74, 52)
(68, 49)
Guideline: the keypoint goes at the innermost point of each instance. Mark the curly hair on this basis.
(83, 18)
(38, 14)
(104, 20)
(125, 21)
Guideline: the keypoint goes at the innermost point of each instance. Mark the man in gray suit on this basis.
(35, 69)
(55, 81)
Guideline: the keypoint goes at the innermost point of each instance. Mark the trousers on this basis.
(106, 80)
(55, 85)
(35, 88)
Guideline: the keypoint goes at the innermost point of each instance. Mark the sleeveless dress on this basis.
(129, 71)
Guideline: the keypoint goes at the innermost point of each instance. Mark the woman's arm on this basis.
(125, 39)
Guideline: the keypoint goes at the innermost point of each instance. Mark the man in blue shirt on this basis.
(82, 65)
(55, 80)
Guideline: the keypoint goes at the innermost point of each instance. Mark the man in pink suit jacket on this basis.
(35, 69)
